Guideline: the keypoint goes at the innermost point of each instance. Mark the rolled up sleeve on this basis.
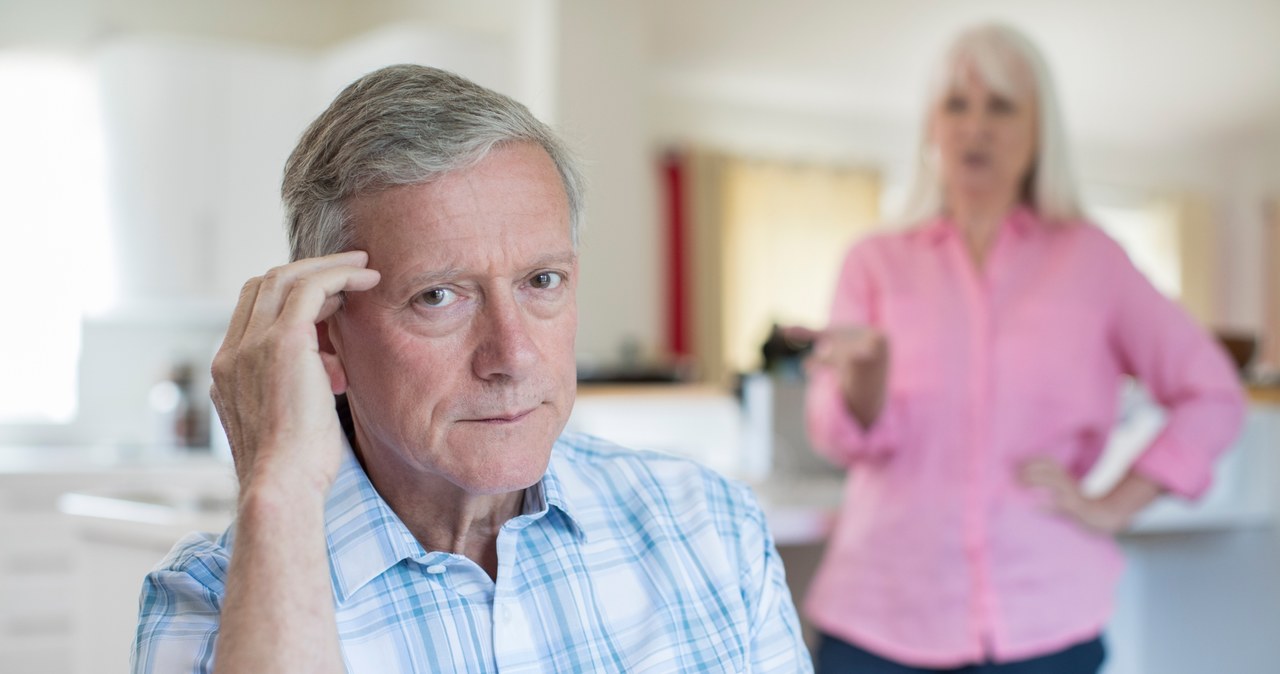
(179, 610)
(833, 431)
(1186, 371)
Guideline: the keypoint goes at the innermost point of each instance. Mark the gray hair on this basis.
(403, 125)
(996, 51)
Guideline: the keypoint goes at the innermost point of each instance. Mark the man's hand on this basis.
(1108, 514)
(860, 357)
(274, 385)
(270, 384)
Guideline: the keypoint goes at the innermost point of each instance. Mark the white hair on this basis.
(998, 53)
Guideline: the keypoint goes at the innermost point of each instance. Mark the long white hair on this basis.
(998, 53)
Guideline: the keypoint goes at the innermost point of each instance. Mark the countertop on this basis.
(1263, 395)
(90, 459)
(801, 509)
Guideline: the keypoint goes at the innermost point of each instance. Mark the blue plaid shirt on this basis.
(622, 561)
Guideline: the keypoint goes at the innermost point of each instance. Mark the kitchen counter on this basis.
(94, 459)
(802, 510)
(1264, 395)
(799, 511)
(159, 493)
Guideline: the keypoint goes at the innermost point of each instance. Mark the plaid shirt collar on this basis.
(366, 537)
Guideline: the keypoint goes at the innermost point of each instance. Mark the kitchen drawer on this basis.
(37, 636)
(35, 543)
(36, 655)
(39, 597)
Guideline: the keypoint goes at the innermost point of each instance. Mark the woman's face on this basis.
(986, 141)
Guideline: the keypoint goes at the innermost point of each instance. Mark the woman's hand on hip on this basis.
(1066, 497)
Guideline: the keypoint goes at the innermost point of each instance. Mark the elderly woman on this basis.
(969, 379)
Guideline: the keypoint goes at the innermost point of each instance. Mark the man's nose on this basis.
(505, 348)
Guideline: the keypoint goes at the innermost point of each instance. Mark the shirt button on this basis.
(435, 569)
(506, 614)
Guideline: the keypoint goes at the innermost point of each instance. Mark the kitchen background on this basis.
(734, 149)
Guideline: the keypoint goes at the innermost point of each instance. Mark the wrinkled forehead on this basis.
(997, 66)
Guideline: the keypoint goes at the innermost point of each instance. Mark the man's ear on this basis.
(332, 361)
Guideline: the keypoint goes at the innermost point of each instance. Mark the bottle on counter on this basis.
(177, 418)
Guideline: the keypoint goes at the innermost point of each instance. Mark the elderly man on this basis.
(440, 521)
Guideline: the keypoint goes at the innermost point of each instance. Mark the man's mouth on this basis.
(504, 417)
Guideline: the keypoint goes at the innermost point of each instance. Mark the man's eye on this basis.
(546, 280)
(437, 297)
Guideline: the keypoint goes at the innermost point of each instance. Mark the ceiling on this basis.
(1133, 73)
(1130, 72)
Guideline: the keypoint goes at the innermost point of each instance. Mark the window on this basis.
(772, 237)
(53, 187)
(1149, 234)
(1172, 240)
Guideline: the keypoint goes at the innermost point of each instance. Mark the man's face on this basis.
(460, 363)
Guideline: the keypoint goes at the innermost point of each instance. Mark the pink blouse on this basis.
(940, 556)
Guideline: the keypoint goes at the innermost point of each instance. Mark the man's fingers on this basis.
(240, 316)
(315, 298)
(276, 285)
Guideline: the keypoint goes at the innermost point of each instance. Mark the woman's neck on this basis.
(979, 222)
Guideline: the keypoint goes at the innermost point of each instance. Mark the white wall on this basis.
(603, 110)
(197, 132)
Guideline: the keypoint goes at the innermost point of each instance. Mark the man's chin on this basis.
(490, 479)
(502, 466)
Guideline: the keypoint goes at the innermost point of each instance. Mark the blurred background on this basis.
(734, 149)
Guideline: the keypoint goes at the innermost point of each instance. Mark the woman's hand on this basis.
(270, 384)
(1107, 514)
(860, 358)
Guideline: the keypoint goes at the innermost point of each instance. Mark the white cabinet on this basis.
(35, 575)
(120, 533)
(58, 596)
(197, 133)
(1201, 592)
